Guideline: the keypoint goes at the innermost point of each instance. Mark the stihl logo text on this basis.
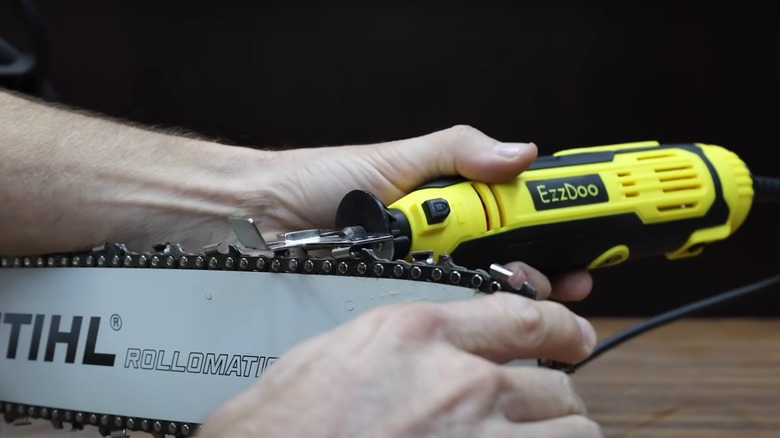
(35, 337)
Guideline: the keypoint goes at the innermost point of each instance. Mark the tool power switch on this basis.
(436, 210)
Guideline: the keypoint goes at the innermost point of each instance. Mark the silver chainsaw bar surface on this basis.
(156, 341)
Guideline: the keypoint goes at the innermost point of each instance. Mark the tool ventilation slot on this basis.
(672, 175)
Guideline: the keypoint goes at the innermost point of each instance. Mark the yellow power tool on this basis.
(580, 208)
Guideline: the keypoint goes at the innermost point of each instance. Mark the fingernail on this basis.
(588, 333)
(517, 279)
(511, 150)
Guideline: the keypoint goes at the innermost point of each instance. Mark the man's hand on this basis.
(424, 370)
(308, 185)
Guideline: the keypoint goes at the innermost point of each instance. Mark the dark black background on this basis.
(560, 73)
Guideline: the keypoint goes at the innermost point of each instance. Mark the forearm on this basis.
(70, 181)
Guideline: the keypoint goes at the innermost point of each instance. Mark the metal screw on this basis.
(243, 263)
(89, 261)
(27, 261)
(455, 277)
(115, 260)
(79, 418)
(229, 262)
(185, 429)
(155, 261)
(212, 262)
(170, 261)
(199, 262)
(275, 265)
(477, 280)
(171, 428)
(183, 261)
(104, 420)
(144, 424)
(379, 270)
(343, 268)
(436, 274)
(292, 265)
(128, 260)
(130, 423)
(92, 419)
(362, 268)
(327, 266)
(157, 426)
(416, 272)
(308, 265)
(44, 413)
(398, 270)
(260, 263)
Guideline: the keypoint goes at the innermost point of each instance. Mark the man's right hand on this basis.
(424, 370)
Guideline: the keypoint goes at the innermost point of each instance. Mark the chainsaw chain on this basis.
(360, 262)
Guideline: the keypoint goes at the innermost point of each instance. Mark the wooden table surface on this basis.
(694, 378)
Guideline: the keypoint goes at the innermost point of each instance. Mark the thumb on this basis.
(459, 150)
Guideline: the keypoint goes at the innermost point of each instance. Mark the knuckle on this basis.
(565, 381)
(569, 399)
(528, 321)
(412, 321)
(464, 132)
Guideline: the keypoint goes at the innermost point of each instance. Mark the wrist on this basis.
(190, 190)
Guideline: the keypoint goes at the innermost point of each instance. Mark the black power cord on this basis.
(767, 189)
(667, 317)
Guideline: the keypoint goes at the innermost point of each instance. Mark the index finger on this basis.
(504, 327)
